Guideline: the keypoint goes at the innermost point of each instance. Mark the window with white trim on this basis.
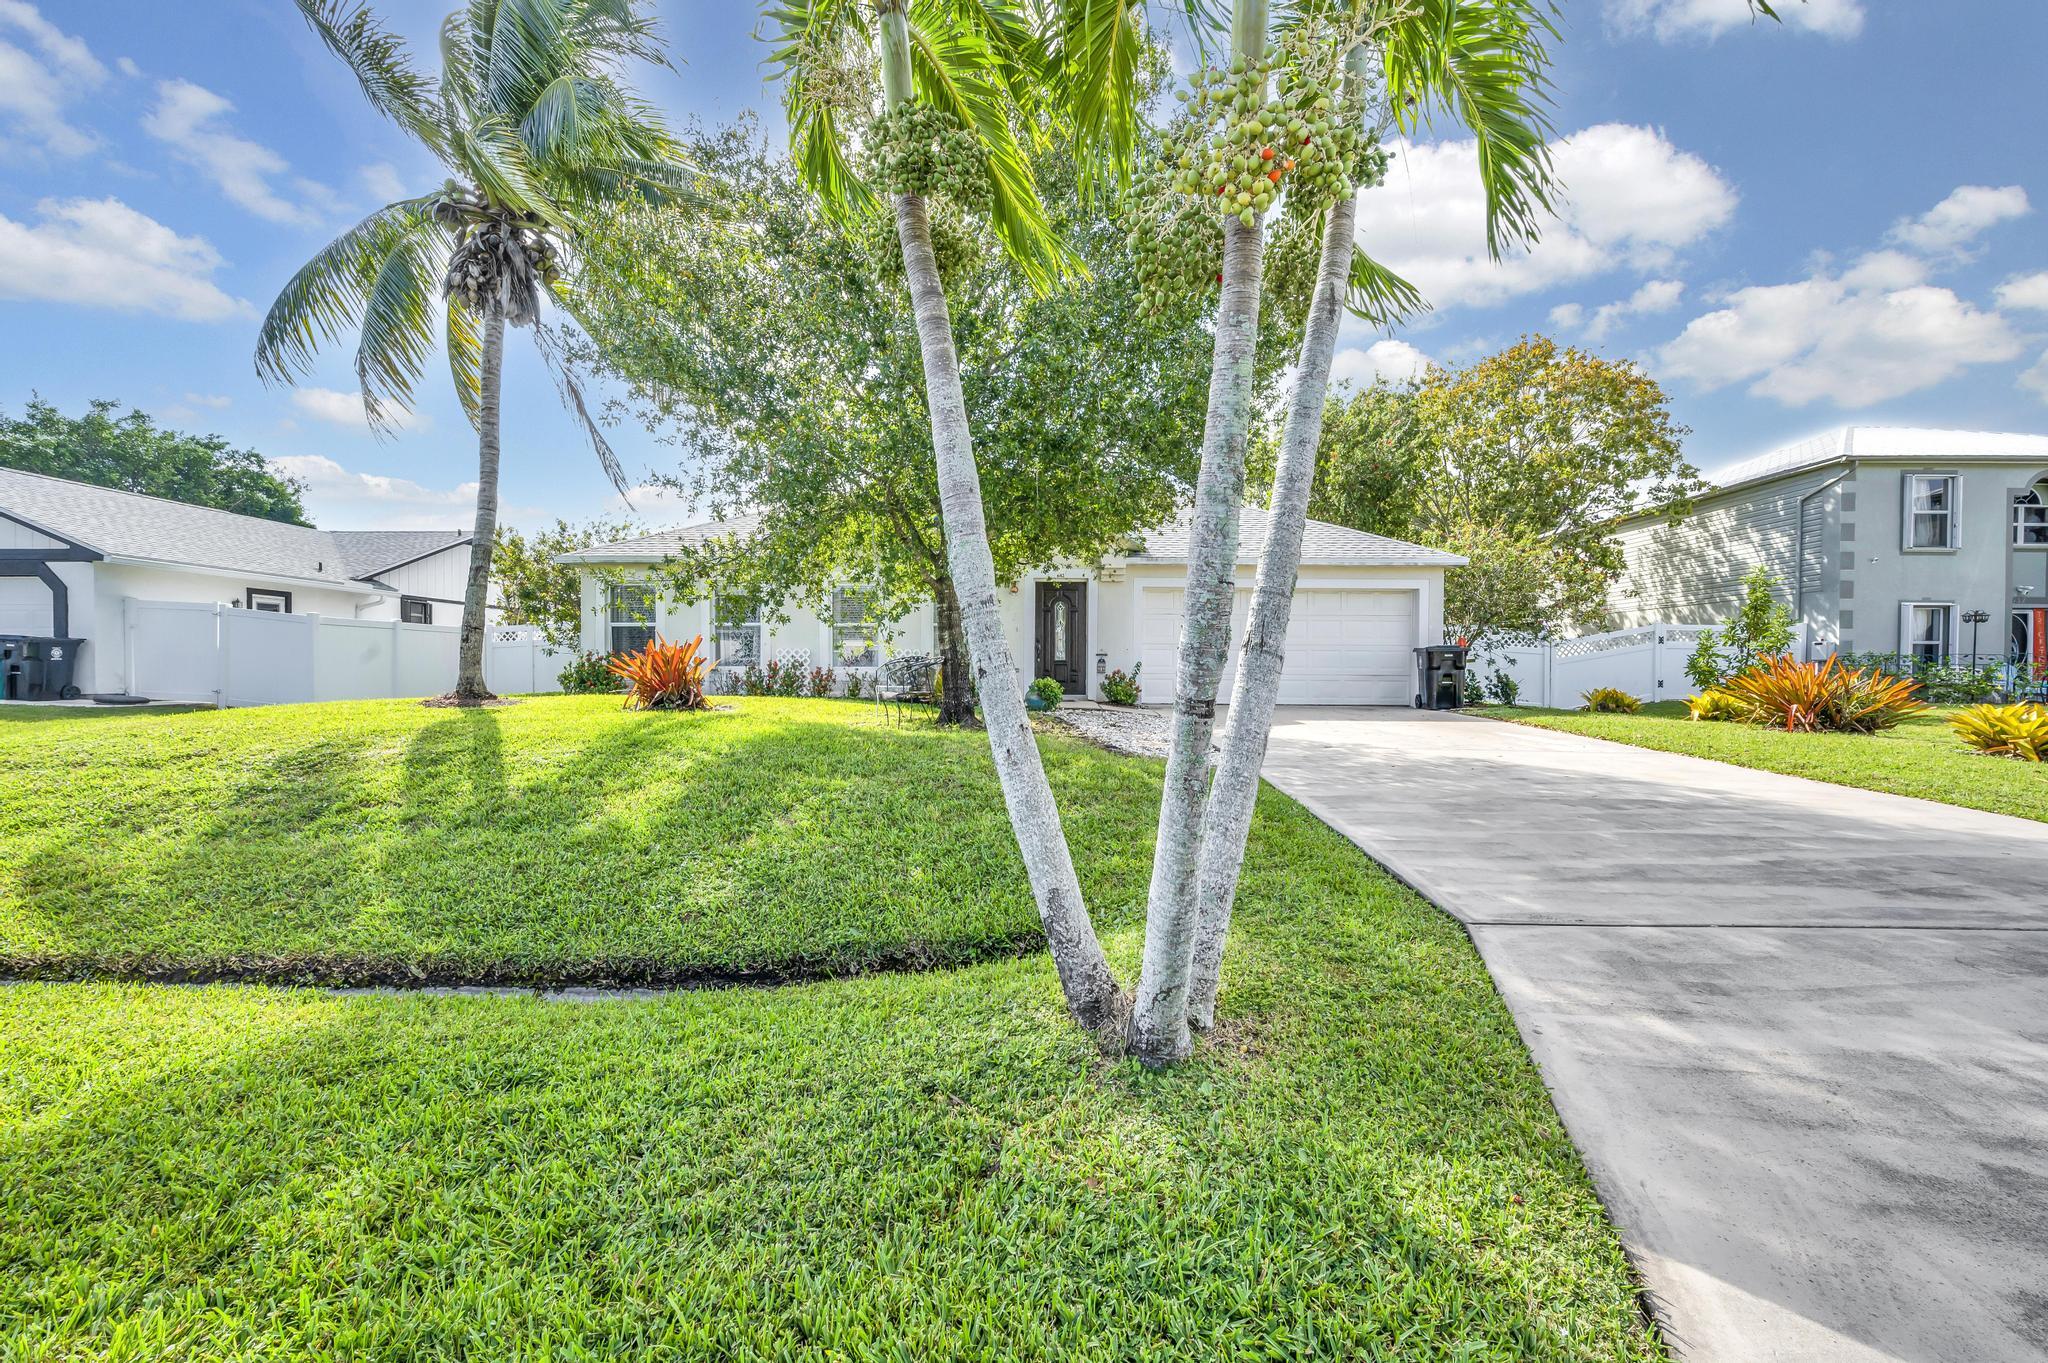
(1930, 511)
(263, 599)
(414, 611)
(736, 634)
(629, 616)
(853, 628)
(2030, 520)
(1929, 630)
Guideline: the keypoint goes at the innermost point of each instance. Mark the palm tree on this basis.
(537, 132)
(984, 68)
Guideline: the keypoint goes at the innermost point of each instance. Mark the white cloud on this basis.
(2028, 291)
(216, 401)
(1859, 337)
(339, 495)
(1672, 20)
(382, 181)
(2035, 380)
(1654, 297)
(346, 409)
(1631, 200)
(1391, 360)
(127, 67)
(1961, 218)
(100, 253)
(193, 122)
(34, 93)
(656, 503)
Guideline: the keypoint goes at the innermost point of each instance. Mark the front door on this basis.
(1063, 635)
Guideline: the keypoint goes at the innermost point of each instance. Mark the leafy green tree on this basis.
(1761, 630)
(134, 454)
(534, 589)
(779, 359)
(1367, 463)
(531, 120)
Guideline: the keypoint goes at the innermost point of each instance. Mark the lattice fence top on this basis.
(1592, 645)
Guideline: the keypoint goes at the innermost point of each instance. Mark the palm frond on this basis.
(325, 299)
(465, 358)
(552, 354)
(1379, 296)
(1100, 43)
(1485, 63)
(494, 155)
(397, 329)
(807, 34)
(381, 65)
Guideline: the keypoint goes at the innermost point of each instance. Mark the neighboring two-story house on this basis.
(1884, 539)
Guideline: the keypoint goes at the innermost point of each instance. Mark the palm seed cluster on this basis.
(931, 153)
(496, 256)
(1233, 152)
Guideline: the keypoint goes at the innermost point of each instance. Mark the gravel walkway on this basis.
(1125, 729)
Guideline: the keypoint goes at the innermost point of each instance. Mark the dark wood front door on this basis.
(1063, 635)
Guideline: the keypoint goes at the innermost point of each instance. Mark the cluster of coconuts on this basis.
(930, 153)
(504, 259)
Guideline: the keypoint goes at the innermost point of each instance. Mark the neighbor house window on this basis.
(259, 599)
(2030, 520)
(738, 620)
(1929, 631)
(1930, 511)
(413, 611)
(629, 611)
(853, 628)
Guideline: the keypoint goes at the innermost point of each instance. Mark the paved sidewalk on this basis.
(1799, 1031)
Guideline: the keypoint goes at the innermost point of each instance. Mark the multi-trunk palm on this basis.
(530, 118)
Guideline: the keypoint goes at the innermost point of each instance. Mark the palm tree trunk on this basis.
(1090, 989)
(1257, 688)
(469, 677)
(1159, 1021)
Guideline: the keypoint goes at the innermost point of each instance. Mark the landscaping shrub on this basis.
(1121, 687)
(1500, 687)
(1940, 683)
(853, 686)
(1048, 692)
(665, 676)
(1716, 707)
(821, 682)
(1609, 700)
(1761, 630)
(754, 681)
(1823, 697)
(2005, 730)
(590, 675)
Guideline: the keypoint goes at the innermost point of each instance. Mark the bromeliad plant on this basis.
(665, 676)
(2005, 730)
(1610, 700)
(1823, 697)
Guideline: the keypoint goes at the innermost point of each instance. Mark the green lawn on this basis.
(1361, 1163)
(1921, 757)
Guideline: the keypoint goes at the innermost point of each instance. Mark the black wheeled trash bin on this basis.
(1440, 676)
(39, 667)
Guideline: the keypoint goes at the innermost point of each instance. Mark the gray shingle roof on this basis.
(656, 547)
(1322, 542)
(132, 525)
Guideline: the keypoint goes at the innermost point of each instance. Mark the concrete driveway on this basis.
(1799, 1031)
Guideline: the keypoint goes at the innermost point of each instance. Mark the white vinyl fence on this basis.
(1648, 662)
(211, 654)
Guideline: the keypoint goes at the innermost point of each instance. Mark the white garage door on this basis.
(1345, 646)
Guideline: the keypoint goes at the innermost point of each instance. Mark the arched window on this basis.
(2030, 519)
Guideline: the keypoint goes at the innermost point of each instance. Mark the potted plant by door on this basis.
(1045, 694)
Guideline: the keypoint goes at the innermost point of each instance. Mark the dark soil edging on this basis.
(328, 972)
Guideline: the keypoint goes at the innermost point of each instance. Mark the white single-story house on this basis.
(1363, 603)
(71, 553)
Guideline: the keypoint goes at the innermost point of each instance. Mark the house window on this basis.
(738, 630)
(263, 599)
(1930, 511)
(1929, 630)
(2030, 520)
(853, 628)
(412, 610)
(629, 613)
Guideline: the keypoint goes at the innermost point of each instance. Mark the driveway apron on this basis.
(1799, 1031)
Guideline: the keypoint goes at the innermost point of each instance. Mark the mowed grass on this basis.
(555, 840)
(1360, 1163)
(1922, 757)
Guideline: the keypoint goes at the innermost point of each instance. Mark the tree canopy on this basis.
(1521, 462)
(534, 589)
(134, 454)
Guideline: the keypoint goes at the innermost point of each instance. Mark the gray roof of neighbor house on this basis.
(131, 525)
(1884, 442)
(1322, 543)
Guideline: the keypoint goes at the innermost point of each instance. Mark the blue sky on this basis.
(1839, 219)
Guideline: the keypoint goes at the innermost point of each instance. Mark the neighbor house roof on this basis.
(1884, 442)
(1321, 543)
(132, 525)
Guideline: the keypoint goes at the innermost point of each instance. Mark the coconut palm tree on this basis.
(537, 132)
